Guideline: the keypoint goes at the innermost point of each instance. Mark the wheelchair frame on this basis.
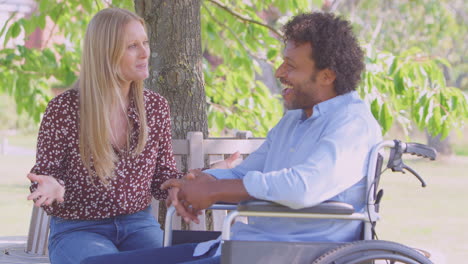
(326, 210)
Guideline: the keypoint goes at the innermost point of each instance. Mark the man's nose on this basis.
(280, 71)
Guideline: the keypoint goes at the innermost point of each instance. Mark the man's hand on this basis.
(190, 194)
(188, 177)
(182, 207)
(48, 190)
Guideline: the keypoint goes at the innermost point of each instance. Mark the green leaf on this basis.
(436, 117)
(272, 54)
(49, 55)
(44, 5)
(220, 121)
(41, 19)
(87, 5)
(7, 22)
(398, 84)
(375, 109)
(7, 36)
(15, 30)
(317, 3)
(385, 118)
(70, 78)
(394, 66)
(444, 131)
(56, 12)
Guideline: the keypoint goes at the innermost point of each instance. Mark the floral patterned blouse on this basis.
(137, 177)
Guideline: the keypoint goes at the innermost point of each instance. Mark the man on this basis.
(317, 152)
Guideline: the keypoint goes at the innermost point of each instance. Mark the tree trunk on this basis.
(174, 32)
(442, 147)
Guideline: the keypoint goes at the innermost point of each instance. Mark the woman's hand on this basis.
(48, 190)
(227, 163)
(190, 195)
(174, 187)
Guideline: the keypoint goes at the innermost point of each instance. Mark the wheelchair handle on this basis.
(421, 150)
(395, 162)
(423, 183)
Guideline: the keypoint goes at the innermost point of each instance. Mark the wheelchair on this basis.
(365, 251)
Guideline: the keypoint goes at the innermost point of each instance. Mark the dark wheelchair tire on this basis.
(367, 251)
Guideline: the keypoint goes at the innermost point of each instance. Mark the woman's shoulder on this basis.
(154, 99)
(65, 101)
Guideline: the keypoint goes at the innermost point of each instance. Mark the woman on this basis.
(104, 148)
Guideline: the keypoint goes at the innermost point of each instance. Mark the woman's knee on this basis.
(75, 246)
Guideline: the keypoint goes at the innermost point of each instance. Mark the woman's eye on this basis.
(132, 46)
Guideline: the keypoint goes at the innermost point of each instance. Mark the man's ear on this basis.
(327, 76)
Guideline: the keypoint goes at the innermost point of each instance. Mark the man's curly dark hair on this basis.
(334, 46)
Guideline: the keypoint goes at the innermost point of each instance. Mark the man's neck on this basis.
(326, 93)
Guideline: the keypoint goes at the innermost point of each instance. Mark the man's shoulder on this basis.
(352, 112)
(351, 107)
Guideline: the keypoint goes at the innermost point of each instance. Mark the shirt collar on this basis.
(332, 104)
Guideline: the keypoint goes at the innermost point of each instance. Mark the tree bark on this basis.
(442, 147)
(174, 33)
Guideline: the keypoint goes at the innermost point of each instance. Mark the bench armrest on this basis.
(327, 207)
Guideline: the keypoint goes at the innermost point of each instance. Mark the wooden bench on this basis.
(195, 152)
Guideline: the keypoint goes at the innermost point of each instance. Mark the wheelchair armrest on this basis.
(327, 207)
(223, 206)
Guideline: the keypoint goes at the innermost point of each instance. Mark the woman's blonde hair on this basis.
(100, 92)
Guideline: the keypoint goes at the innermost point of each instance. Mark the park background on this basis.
(416, 83)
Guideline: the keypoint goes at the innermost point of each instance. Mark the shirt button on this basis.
(291, 150)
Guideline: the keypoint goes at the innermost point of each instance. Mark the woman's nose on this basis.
(144, 52)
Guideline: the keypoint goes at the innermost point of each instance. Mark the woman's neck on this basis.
(125, 89)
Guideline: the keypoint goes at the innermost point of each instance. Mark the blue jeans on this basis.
(71, 241)
(169, 255)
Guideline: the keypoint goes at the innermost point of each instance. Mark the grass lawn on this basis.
(23, 140)
(16, 210)
(432, 218)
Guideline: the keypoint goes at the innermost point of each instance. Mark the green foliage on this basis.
(28, 73)
(10, 120)
(411, 87)
(438, 27)
(404, 85)
(406, 88)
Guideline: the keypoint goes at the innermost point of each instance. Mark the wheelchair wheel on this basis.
(372, 251)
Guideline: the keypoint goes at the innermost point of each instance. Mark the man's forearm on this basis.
(229, 191)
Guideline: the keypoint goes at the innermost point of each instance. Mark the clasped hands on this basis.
(195, 191)
(48, 190)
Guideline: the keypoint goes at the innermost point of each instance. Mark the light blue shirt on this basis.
(303, 162)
